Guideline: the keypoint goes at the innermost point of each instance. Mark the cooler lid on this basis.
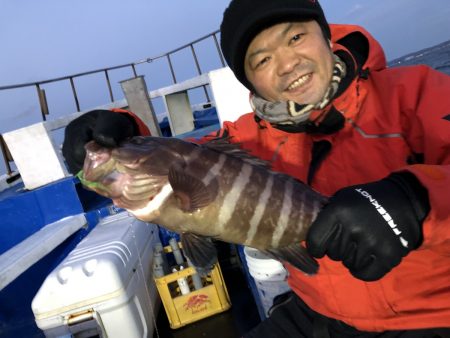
(99, 268)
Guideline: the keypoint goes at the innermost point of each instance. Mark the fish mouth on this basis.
(90, 183)
(299, 82)
(96, 162)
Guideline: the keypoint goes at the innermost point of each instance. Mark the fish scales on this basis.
(252, 208)
(236, 176)
(239, 200)
(217, 213)
(302, 212)
(247, 204)
(225, 169)
(261, 203)
(213, 190)
(215, 169)
(200, 163)
(283, 219)
(271, 214)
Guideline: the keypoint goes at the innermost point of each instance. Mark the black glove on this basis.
(371, 227)
(107, 128)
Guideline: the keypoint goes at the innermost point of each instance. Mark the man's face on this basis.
(290, 61)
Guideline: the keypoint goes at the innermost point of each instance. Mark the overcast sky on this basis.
(47, 38)
(51, 38)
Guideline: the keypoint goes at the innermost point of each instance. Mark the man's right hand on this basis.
(370, 227)
(105, 127)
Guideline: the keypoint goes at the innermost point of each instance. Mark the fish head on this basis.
(152, 156)
(100, 171)
(98, 162)
(134, 173)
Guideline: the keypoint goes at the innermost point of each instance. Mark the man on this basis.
(328, 112)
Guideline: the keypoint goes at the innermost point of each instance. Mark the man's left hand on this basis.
(371, 227)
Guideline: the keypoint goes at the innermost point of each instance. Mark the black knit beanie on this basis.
(244, 19)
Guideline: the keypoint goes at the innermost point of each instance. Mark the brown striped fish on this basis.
(214, 190)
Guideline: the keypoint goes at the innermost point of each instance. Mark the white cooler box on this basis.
(104, 287)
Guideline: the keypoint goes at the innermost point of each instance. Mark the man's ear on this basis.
(330, 43)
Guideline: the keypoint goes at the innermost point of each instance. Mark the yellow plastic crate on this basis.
(181, 309)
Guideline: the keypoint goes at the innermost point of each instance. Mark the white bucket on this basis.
(263, 275)
(263, 267)
(269, 275)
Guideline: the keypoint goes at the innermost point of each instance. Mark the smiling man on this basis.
(328, 112)
(290, 62)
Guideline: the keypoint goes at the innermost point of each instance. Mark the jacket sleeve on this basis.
(426, 126)
(142, 128)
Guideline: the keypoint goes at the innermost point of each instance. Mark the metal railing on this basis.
(43, 100)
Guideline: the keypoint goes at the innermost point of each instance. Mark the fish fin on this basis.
(297, 256)
(192, 193)
(223, 145)
(200, 250)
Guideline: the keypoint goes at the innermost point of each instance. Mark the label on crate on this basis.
(197, 303)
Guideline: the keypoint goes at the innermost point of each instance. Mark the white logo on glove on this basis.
(385, 215)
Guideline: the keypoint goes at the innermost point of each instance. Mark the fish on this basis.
(206, 192)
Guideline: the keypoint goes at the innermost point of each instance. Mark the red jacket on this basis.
(142, 128)
(390, 115)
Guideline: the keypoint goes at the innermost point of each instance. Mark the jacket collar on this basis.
(366, 51)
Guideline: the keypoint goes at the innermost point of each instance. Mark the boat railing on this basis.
(43, 104)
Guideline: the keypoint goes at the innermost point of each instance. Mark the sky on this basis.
(47, 38)
(51, 38)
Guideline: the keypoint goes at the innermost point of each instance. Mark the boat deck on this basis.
(240, 318)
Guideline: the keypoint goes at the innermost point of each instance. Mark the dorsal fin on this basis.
(223, 145)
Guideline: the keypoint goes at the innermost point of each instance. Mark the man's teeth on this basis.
(299, 81)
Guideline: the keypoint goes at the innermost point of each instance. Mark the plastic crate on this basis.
(181, 309)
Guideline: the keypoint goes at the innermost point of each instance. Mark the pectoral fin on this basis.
(296, 255)
(191, 192)
(200, 250)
